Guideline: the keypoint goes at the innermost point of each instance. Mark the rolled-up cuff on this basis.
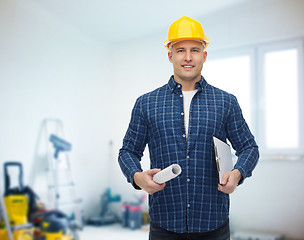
(131, 180)
(242, 173)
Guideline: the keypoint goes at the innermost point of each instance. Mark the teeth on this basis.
(188, 66)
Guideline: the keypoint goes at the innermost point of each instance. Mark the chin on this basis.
(191, 78)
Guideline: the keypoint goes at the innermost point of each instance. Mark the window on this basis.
(281, 99)
(268, 82)
(280, 131)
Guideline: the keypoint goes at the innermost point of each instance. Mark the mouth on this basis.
(187, 67)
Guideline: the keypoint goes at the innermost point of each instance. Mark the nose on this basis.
(188, 56)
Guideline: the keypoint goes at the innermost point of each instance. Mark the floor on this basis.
(112, 232)
(117, 232)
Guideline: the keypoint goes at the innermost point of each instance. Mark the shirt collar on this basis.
(176, 87)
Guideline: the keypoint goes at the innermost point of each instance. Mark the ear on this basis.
(204, 56)
(170, 56)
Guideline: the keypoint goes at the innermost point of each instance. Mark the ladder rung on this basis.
(23, 226)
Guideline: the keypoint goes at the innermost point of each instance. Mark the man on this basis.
(178, 121)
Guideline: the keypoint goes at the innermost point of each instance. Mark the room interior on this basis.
(86, 62)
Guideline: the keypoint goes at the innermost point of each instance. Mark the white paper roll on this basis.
(167, 174)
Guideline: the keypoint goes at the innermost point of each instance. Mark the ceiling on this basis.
(117, 20)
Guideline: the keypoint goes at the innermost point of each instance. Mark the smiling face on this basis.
(187, 58)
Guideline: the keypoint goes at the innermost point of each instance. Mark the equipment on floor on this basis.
(15, 207)
(19, 206)
(20, 201)
(53, 225)
(132, 213)
(16, 201)
(106, 215)
(59, 145)
(61, 186)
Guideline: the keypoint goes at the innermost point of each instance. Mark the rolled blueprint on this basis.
(167, 174)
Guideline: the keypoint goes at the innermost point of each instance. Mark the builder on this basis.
(178, 121)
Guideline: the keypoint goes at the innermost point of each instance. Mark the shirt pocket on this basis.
(165, 122)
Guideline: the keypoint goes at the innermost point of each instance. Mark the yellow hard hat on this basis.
(186, 28)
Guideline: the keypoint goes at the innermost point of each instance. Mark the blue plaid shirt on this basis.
(191, 202)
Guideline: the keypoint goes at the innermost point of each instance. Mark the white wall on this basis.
(255, 22)
(272, 200)
(140, 67)
(49, 70)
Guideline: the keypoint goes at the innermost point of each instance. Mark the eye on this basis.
(180, 50)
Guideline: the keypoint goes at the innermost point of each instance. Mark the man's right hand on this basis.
(145, 181)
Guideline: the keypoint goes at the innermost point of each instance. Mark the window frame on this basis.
(257, 54)
(262, 50)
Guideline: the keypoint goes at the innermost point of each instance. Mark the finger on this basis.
(153, 171)
(156, 188)
(227, 188)
(225, 179)
(223, 189)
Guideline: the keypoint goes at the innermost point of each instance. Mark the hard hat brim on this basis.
(167, 43)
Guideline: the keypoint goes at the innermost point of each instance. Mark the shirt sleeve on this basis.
(242, 140)
(134, 143)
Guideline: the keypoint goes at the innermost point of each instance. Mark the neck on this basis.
(187, 85)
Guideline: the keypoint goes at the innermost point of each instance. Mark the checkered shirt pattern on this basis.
(190, 202)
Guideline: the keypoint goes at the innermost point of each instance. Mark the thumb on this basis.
(225, 179)
(153, 171)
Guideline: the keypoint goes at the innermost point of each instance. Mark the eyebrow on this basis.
(196, 48)
(182, 48)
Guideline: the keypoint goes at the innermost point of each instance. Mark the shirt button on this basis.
(179, 86)
(188, 205)
(182, 114)
(181, 95)
(184, 135)
(188, 156)
(188, 180)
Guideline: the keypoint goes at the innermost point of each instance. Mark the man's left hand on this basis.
(230, 181)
